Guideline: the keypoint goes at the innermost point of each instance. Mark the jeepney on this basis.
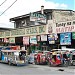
(17, 57)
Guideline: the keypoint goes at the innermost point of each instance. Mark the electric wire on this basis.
(8, 7)
(3, 2)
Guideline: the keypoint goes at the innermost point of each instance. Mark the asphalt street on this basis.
(6, 69)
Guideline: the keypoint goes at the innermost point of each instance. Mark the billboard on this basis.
(65, 39)
(38, 17)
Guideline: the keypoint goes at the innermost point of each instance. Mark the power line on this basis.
(8, 8)
(3, 2)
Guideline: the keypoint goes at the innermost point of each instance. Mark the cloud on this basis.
(22, 7)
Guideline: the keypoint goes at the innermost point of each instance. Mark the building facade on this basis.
(54, 28)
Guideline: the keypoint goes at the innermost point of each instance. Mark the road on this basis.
(5, 69)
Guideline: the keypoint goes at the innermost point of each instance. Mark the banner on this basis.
(26, 40)
(65, 38)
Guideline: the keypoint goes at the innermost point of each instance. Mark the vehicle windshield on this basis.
(22, 55)
(65, 56)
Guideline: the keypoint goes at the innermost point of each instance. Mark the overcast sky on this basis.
(22, 7)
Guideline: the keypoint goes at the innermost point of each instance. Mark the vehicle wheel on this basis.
(9, 62)
(65, 63)
(35, 62)
(69, 63)
(73, 63)
(49, 64)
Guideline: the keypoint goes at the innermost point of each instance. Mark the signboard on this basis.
(1, 34)
(37, 30)
(65, 39)
(73, 35)
(33, 39)
(29, 31)
(43, 37)
(38, 17)
(7, 33)
(63, 16)
(26, 40)
(38, 38)
(51, 38)
(18, 32)
(6, 40)
(68, 26)
(12, 40)
(50, 26)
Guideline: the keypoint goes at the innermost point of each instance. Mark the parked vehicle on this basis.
(41, 57)
(72, 57)
(57, 57)
(31, 58)
(17, 57)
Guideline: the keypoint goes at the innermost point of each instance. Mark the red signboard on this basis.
(70, 28)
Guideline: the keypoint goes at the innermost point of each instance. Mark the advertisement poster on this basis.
(73, 35)
(51, 38)
(43, 37)
(65, 39)
(12, 40)
(26, 40)
(33, 39)
(6, 40)
(38, 38)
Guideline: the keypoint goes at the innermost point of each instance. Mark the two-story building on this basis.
(44, 29)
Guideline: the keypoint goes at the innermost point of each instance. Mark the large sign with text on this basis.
(65, 39)
(37, 17)
(68, 26)
(33, 40)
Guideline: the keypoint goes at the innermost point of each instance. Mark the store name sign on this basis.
(35, 30)
(38, 17)
(17, 32)
(65, 27)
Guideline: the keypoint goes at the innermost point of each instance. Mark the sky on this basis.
(22, 7)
